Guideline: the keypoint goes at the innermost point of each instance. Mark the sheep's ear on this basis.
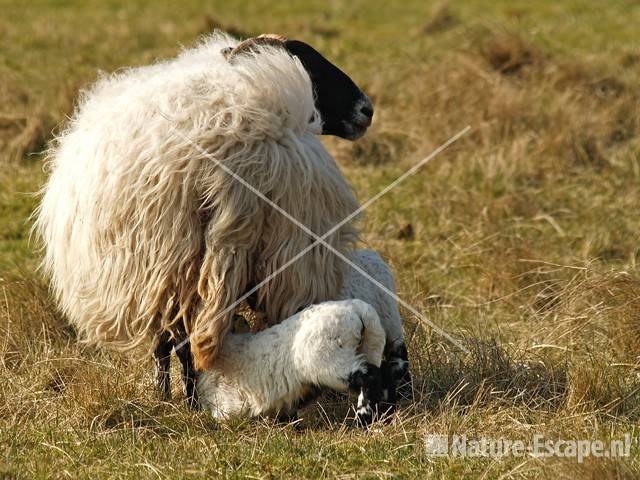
(249, 45)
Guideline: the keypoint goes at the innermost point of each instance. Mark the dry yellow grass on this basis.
(521, 239)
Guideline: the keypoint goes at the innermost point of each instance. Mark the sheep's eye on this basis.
(313, 117)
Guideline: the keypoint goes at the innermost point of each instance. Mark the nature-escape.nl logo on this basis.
(539, 446)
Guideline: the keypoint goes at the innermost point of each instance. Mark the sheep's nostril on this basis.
(368, 111)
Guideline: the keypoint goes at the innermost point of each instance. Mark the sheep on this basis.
(271, 371)
(335, 344)
(148, 238)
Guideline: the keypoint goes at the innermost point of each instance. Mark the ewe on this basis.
(147, 238)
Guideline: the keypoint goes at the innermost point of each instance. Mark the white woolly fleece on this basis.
(142, 231)
(357, 285)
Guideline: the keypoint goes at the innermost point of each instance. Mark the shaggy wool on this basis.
(142, 230)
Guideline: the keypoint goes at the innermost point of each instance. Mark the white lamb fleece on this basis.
(268, 372)
(357, 285)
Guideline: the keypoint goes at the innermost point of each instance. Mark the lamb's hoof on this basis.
(366, 410)
(364, 416)
(368, 382)
(396, 378)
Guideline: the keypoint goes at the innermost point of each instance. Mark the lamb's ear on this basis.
(249, 45)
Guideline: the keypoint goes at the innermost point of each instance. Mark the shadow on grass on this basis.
(490, 373)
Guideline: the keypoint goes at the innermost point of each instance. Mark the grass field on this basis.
(522, 239)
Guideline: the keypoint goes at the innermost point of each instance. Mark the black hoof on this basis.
(364, 415)
(367, 381)
(396, 378)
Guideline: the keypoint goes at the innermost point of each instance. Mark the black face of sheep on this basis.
(346, 111)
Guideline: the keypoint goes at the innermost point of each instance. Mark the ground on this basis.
(521, 239)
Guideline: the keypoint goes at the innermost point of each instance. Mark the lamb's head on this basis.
(345, 110)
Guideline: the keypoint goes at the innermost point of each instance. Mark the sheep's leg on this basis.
(189, 374)
(367, 381)
(162, 359)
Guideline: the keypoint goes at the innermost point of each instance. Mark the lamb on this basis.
(149, 239)
(396, 379)
(336, 344)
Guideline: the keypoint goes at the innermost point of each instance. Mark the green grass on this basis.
(525, 238)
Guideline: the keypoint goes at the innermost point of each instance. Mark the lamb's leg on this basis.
(389, 390)
(367, 381)
(396, 379)
(162, 359)
(189, 374)
(401, 374)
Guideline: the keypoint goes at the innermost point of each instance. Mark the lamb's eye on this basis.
(313, 117)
